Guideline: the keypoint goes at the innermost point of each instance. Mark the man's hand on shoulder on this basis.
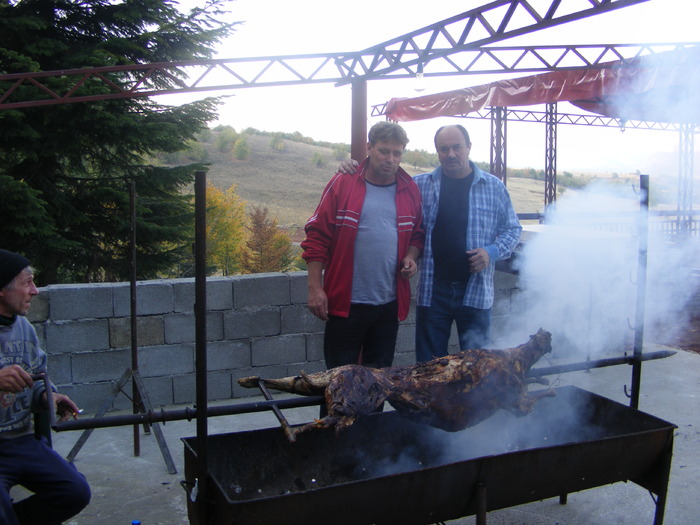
(348, 166)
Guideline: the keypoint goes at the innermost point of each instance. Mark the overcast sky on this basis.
(283, 27)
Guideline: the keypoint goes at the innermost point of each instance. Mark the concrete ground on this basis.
(126, 487)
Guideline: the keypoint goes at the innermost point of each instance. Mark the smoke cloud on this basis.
(580, 272)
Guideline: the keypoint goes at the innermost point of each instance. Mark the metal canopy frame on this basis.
(455, 46)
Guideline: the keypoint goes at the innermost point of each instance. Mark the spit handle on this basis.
(49, 397)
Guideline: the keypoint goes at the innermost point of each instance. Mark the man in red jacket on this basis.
(361, 247)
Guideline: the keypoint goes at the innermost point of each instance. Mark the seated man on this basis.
(60, 491)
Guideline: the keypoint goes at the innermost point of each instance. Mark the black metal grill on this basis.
(386, 469)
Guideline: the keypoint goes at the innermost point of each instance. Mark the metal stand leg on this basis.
(156, 426)
(665, 474)
(116, 389)
(481, 504)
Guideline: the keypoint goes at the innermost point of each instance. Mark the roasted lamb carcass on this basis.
(452, 392)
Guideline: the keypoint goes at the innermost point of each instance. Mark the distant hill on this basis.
(289, 182)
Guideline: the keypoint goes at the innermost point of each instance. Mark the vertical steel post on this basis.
(200, 310)
(686, 152)
(642, 233)
(135, 394)
(481, 504)
(550, 158)
(358, 146)
(499, 150)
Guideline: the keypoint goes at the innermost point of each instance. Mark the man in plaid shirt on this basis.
(470, 224)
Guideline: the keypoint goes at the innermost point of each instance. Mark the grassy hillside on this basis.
(289, 182)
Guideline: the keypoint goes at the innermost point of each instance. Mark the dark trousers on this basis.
(60, 491)
(366, 337)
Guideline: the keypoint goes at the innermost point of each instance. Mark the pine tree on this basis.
(74, 162)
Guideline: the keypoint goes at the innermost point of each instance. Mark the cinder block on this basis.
(80, 301)
(152, 298)
(260, 289)
(40, 329)
(90, 396)
(308, 367)
(259, 322)
(166, 360)
(260, 371)
(107, 365)
(505, 281)
(181, 328)
(185, 387)
(219, 294)
(39, 311)
(299, 287)
(59, 369)
(314, 347)
(149, 331)
(226, 355)
(299, 319)
(282, 349)
(77, 336)
(159, 390)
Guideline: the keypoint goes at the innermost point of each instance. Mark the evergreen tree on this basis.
(73, 163)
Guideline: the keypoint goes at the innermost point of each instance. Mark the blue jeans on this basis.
(60, 491)
(433, 323)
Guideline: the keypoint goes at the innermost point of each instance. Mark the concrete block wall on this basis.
(256, 325)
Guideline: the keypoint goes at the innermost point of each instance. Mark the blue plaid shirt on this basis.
(493, 225)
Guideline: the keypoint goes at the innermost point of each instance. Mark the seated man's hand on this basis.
(14, 379)
(65, 407)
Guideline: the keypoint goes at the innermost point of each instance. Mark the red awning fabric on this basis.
(664, 87)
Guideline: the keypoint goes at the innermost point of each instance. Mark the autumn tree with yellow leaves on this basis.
(268, 248)
(226, 229)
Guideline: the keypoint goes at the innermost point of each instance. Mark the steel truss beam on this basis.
(525, 115)
(550, 160)
(484, 25)
(454, 46)
(686, 151)
(552, 118)
(43, 88)
(499, 143)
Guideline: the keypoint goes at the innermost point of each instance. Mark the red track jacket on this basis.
(332, 229)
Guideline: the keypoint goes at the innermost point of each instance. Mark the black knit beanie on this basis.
(11, 264)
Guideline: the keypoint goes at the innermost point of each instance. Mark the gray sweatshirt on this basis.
(19, 345)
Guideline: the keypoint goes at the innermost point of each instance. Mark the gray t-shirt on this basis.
(376, 246)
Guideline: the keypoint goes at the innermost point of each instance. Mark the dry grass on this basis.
(289, 183)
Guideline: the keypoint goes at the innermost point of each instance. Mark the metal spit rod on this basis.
(188, 413)
(599, 363)
(191, 413)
